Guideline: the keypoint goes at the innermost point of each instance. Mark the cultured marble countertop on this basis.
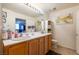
(21, 39)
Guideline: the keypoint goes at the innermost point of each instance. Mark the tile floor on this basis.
(64, 51)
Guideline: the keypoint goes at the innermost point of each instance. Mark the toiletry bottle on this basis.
(12, 35)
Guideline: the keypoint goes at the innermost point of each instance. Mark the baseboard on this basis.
(67, 48)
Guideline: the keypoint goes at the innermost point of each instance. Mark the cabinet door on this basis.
(41, 46)
(18, 49)
(50, 42)
(33, 47)
(5, 50)
(26, 48)
(46, 44)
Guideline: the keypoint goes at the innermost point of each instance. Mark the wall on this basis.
(11, 15)
(1, 43)
(65, 33)
(38, 24)
(41, 19)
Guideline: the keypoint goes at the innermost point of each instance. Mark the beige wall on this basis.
(65, 33)
(1, 42)
(11, 15)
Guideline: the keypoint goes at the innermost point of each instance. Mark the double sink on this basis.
(29, 36)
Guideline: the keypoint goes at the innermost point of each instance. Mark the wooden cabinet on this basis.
(33, 47)
(50, 42)
(41, 46)
(38, 46)
(17, 49)
(46, 44)
(26, 48)
(5, 50)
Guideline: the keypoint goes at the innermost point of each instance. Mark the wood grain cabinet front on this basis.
(41, 46)
(33, 47)
(17, 49)
(38, 46)
(50, 42)
(46, 44)
(26, 48)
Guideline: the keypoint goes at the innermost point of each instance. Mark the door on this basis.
(33, 47)
(26, 48)
(77, 34)
(46, 44)
(17, 49)
(50, 42)
(41, 45)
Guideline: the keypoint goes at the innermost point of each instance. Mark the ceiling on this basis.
(20, 8)
(45, 7)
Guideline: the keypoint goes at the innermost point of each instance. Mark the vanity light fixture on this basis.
(32, 7)
(40, 14)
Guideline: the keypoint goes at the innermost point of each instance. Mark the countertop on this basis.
(21, 39)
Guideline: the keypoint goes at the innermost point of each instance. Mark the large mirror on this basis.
(20, 25)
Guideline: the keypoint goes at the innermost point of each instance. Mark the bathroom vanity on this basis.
(34, 45)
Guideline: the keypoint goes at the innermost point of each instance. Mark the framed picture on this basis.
(4, 16)
(67, 19)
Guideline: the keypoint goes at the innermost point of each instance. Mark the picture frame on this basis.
(66, 19)
(4, 16)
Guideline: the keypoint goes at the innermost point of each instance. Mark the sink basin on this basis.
(35, 33)
(30, 35)
(18, 39)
